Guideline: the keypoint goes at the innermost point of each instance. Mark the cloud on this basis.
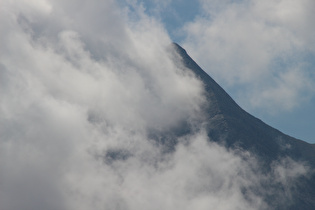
(84, 88)
(251, 45)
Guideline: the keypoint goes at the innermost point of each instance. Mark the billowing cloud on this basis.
(261, 47)
(86, 87)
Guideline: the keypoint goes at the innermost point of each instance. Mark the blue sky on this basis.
(262, 54)
(84, 84)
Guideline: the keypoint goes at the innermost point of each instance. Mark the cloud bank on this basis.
(83, 88)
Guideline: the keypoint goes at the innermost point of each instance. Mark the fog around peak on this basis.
(83, 87)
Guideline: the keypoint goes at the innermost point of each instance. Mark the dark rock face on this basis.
(229, 125)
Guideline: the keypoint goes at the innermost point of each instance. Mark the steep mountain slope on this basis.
(233, 127)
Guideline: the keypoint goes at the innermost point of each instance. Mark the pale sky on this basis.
(261, 52)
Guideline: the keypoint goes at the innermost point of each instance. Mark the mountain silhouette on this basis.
(231, 126)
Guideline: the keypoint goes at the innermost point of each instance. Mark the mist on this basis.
(90, 95)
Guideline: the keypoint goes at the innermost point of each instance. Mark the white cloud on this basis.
(251, 44)
(288, 88)
(82, 88)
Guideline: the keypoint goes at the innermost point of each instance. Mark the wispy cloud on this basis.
(252, 45)
(83, 86)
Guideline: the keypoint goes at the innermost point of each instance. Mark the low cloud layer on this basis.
(83, 87)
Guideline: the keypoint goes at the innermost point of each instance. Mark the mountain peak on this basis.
(231, 126)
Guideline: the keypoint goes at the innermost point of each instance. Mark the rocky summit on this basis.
(231, 126)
